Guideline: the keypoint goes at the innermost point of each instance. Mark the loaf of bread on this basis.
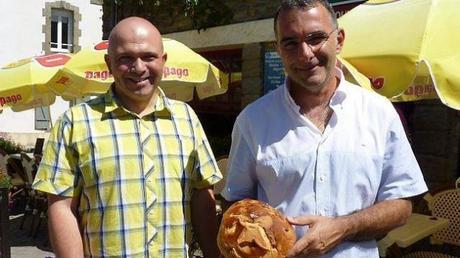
(252, 229)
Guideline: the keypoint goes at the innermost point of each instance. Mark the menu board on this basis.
(273, 71)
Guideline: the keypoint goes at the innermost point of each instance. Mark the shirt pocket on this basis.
(285, 171)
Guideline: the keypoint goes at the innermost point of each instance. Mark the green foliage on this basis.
(9, 146)
(206, 14)
(5, 180)
(203, 14)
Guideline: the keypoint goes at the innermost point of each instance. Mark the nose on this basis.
(305, 51)
(138, 66)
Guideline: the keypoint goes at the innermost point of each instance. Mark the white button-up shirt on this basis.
(362, 157)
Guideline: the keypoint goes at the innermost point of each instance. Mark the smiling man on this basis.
(136, 59)
(332, 156)
(130, 172)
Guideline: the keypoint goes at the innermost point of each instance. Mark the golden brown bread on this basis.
(252, 229)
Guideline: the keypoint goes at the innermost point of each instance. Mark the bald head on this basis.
(136, 59)
(133, 29)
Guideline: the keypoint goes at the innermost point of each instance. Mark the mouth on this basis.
(138, 80)
(307, 68)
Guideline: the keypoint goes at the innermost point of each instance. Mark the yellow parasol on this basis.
(87, 74)
(353, 75)
(408, 48)
(23, 82)
(186, 70)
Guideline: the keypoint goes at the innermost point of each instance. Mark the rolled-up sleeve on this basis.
(206, 170)
(57, 171)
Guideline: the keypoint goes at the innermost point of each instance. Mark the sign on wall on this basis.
(273, 71)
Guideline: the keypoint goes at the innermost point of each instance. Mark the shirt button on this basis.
(322, 178)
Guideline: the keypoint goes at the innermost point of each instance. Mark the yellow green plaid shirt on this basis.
(133, 176)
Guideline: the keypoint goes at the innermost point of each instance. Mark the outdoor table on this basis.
(418, 226)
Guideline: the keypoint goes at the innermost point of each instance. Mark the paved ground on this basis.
(23, 244)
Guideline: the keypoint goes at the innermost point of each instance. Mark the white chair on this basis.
(444, 204)
(27, 163)
(15, 170)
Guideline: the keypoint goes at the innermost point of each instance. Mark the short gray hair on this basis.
(304, 5)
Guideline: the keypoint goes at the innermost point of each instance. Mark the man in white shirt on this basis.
(327, 153)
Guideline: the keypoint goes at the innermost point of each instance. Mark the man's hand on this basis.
(324, 233)
(204, 220)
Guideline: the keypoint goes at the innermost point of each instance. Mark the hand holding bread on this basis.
(253, 229)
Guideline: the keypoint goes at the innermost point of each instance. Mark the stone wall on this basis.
(436, 141)
(252, 73)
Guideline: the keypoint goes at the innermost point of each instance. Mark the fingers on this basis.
(298, 247)
(314, 242)
(306, 247)
(302, 220)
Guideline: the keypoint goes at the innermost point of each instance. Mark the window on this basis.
(42, 118)
(61, 30)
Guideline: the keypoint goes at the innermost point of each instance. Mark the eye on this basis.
(149, 58)
(316, 39)
(290, 44)
(125, 59)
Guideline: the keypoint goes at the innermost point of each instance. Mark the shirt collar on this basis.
(340, 93)
(162, 105)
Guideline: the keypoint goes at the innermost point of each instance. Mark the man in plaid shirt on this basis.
(129, 172)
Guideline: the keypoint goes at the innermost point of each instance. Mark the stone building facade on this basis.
(35, 28)
(433, 127)
(435, 137)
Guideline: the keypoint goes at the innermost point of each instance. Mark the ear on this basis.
(107, 62)
(340, 40)
(165, 57)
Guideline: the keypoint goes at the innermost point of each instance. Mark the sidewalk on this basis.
(23, 245)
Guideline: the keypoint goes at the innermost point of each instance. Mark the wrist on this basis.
(348, 226)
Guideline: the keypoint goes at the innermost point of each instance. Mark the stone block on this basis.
(431, 116)
(436, 170)
(431, 142)
(251, 51)
(252, 68)
(248, 99)
(251, 86)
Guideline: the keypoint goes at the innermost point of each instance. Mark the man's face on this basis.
(310, 67)
(136, 63)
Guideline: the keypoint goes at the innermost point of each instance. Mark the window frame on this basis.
(58, 15)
